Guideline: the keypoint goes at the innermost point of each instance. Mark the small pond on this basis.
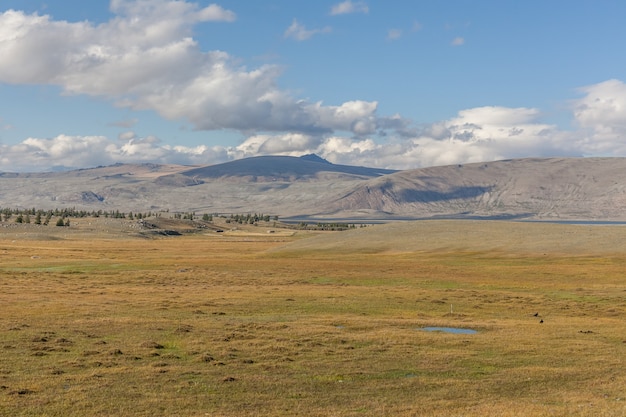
(449, 330)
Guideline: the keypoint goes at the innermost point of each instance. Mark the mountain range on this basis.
(309, 187)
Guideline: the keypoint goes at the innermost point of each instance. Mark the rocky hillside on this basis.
(566, 188)
(310, 187)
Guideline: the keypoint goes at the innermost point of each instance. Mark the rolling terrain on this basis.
(555, 188)
(105, 319)
(309, 187)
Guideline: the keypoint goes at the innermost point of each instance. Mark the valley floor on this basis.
(104, 321)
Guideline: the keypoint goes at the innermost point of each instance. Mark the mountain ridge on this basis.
(586, 188)
(285, 168)
(591, 189)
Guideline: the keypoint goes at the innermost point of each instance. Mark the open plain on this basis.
(100, 320)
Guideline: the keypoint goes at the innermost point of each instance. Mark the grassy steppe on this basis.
(247, 324)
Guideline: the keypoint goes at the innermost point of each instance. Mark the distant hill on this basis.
(281, 168)
(551, 188)
(310, 187)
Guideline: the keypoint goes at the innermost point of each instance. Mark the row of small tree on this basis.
(43, 217)
(250, 218)
(38, 218)
(192, 216)
(327, 226)
(7, 213)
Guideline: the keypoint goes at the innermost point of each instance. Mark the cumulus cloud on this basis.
(356, 116)
(34, 154)
(348, 7)
(491, 133)
(603, 108)
(165, 8)
(473, 135)
(145, 58)
(298, 32)
(215, 13)
(601, 115)
(293, 144)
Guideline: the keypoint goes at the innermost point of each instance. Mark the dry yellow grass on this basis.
(103, 324)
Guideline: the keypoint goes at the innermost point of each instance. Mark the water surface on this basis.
(449, 330)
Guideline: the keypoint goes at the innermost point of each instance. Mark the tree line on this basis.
(43, 217)
(327, 226)
(249, 218)
(62, 216)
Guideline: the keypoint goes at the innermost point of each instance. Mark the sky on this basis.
(398, 84)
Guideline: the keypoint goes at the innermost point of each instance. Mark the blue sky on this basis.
(394, 84)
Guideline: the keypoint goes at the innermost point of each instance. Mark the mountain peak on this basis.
(314, 158)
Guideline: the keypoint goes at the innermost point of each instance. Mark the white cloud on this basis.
(168, 8)
(603, 108)
(490, 133)
(294, 144)
(473, 135)
(144, 58)
(33, 154)
(496, 116)
(356, 116)
(601, 114)
(300, 33)
(348, 7)
(42, 154)
(215, 13)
